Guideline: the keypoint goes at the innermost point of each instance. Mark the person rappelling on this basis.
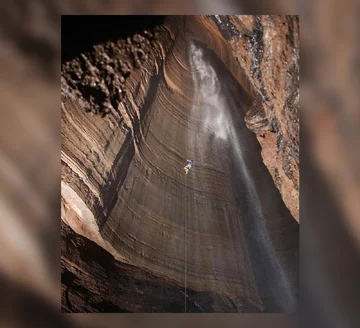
(189, 165)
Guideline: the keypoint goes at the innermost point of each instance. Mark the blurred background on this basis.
(30, 161)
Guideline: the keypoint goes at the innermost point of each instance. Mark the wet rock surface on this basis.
(267, 47)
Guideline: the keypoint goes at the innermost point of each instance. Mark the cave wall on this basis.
(123, 188)
(267, 48)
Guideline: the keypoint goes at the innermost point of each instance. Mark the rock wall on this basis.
(267, 47)
(219, 240)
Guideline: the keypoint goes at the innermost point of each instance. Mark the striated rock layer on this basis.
(140, 236)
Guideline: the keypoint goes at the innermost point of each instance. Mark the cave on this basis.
(140, 233)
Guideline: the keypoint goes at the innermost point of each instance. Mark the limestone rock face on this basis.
(138, 234)
(267, 47)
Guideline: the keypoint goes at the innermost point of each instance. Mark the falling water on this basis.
(208, 92)
(212, 116)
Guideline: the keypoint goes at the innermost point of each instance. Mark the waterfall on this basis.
(211, 113)
(208, 95)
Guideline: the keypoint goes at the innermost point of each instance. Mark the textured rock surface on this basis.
(97, 80)
(222, 236)
(93, 281)
(267, 47)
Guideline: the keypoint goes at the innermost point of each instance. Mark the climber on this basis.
(188, 166)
